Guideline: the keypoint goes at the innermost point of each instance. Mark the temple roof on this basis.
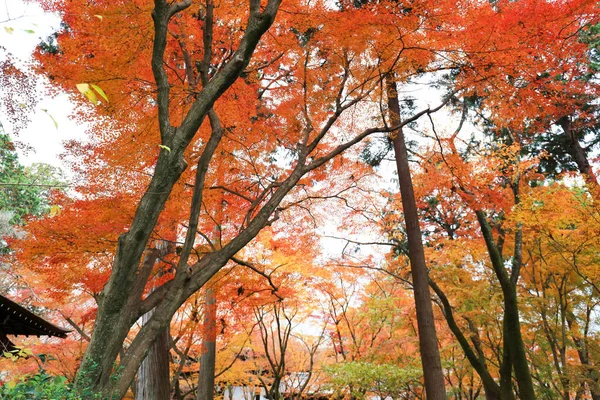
(16, 320)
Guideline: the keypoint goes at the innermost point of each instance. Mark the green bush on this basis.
(38, 387)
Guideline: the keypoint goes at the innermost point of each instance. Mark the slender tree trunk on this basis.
(583, 165)
(206, 378)
(428, 344)
(492, 389)
(577, 152)
(584, 359)
(513, 340)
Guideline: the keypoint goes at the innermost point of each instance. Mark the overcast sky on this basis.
(22, 27)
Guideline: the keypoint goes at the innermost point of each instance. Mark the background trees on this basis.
(228, 134)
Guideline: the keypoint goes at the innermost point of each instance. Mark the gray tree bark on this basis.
(206, 377)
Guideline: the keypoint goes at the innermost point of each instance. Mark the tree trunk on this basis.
(153, 381)
(583, 165)
(428, 344)
(492, 389)
(153, 375)
(119, 300)
(506, 383)
(206, 377)
(577, 152)
(513, 340)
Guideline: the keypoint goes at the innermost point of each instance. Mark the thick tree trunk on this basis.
(120, 299)
(428, 344)
(514, 342)
(153, 375)
(206, 377)
(506, 383)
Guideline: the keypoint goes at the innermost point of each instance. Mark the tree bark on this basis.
(153, 375)
(119, 301)
(428, 344)
(492, 389)
(153, 381)
(206, 377)
(577, 152)
(513, 340)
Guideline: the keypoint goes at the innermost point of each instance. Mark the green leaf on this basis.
(29, 31)
(100, 92)
(164, 147)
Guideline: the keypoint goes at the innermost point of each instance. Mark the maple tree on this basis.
(285, 89)
(122, 294)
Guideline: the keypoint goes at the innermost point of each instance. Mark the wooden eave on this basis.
(18, 321)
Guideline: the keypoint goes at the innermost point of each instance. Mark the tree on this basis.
(123, 300)
(563, 297)
(24, 191)
(280, 106)
(428, 343)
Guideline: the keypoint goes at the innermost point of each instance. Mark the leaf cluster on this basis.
(358, 378)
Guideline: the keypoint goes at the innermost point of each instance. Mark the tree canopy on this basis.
(228, 145)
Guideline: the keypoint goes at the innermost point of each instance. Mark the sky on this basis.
(22, 27)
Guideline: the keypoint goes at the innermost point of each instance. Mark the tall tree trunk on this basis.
(153, 381)
(506, 383)
(153, 375)
(120, 298)
(206, 378)
(583, 165)
(428, 344)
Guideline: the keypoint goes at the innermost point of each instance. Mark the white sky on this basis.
(16, 19)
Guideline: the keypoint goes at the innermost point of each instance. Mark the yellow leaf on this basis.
(100, 17)
(83, 87)
(9, 30)
(91, 96)
(100, 92)
(164, 147)
(54, 211)
(28, 352)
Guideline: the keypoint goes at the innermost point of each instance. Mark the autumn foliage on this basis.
(243, 150)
